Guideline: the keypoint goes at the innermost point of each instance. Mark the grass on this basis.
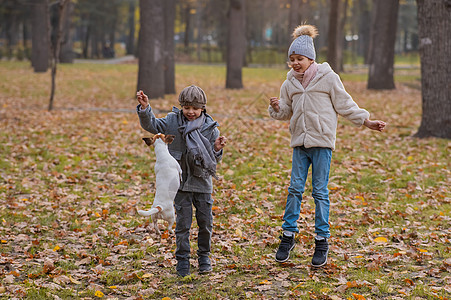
(74, 178)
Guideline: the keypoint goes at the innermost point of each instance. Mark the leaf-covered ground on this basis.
(71, 180)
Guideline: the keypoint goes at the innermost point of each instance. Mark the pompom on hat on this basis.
(193, 96)
(302, 44)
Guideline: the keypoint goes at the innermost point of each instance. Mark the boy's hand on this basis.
(374, 125)
(142, 99)
(220, 143)
(274, 102)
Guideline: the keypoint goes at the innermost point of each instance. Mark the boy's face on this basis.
(191, 112)
(299, 63)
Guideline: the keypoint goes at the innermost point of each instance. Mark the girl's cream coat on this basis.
(313, 112)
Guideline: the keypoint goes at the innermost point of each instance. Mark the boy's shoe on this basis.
(321, 250)
(182, 268)
(204, 264)
(286, 245)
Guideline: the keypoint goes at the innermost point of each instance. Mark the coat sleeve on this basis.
(149, 122)
(214, 136)
(285, 110)
(343, 103)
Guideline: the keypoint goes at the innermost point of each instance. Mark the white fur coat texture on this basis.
(313, 111)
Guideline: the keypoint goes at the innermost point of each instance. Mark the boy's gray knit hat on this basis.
(193, 96)
(303, 41)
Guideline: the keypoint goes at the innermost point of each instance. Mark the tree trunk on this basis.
(187, 27)
(334, 35)
(40, 36)
(169, 47)
(151, 48)
(383, 38)
(130, 47)
(62, 4)
(434, 27)
(364, 30)
(294, 13)
(67, 43)
(236, 44)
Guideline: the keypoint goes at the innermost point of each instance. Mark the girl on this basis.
(312, 97)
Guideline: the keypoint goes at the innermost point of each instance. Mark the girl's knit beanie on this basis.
(303, 41)
(193, 96)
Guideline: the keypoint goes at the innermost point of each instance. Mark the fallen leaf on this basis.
(99, 294)
(381, 239)
(358, 297)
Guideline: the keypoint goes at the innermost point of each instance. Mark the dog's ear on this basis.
(148, 141)
(169, 138)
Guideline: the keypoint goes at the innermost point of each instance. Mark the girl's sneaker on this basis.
(286, 245)
(321, 250)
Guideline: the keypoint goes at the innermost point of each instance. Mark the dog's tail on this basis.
(149, 212)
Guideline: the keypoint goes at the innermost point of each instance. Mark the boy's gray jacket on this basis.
(313, 112)
(170, 125)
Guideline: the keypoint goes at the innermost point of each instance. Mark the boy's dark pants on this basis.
(203, 203)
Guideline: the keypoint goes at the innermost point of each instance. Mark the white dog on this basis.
(169, 175)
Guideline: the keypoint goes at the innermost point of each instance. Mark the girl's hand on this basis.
(220, 143)
(274, 102)
(374, 125)
(142, 99)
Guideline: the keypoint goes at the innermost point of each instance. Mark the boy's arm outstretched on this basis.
(146, 116)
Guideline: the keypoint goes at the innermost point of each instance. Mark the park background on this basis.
(73, 173)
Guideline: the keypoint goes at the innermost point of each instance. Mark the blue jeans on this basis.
(320, 159)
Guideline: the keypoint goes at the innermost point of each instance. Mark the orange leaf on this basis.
(358, 297)
(125, 242)
(165, 235)
(409, 281)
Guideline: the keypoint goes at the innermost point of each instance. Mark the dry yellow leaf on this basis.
(381, 239)
(166, 298)
(74, 281)
(147, 275)
(99, 294)
(113, 287)
(238, 232)
(266, 282)
(259, 210)
(56, 248)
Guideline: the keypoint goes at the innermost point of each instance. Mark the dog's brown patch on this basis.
(165, 138)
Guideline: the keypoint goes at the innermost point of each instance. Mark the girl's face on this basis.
(191, 112)
(299, 63)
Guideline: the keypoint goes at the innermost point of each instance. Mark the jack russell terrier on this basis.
(169, 175)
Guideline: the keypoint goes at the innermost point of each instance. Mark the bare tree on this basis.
(434, 27)
(334, 35)
(67, 42)
(169, 47)
(55, 47)
(294, 14)
(236, 44)
(151, 48)
(130, 45)
(40, 36)
(382, 51)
